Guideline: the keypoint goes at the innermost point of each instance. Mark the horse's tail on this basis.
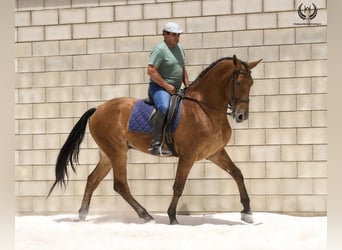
(70, 150)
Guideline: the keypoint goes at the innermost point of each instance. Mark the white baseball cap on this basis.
(172, 27)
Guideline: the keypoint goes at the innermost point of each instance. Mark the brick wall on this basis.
(75, 54)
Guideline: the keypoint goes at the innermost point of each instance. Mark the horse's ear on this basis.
(234, 60)
(251, 65)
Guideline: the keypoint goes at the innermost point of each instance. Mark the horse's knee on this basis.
(120, 187)
(117, 187)
(178, 190)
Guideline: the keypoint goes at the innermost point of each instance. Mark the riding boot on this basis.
(157, 133)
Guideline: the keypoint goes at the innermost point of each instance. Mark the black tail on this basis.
(70, 150)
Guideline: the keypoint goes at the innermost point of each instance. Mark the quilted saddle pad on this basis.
(140, 118)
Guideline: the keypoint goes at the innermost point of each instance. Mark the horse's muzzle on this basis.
(240, 116)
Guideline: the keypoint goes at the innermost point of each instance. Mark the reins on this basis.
(222, 110)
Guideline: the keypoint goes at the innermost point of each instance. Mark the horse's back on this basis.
(117, 103)
(114, 108)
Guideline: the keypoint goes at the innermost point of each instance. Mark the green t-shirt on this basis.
(170, 62)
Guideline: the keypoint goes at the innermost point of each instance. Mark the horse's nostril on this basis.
(240, 117)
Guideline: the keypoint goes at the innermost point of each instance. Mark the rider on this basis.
(166, 69)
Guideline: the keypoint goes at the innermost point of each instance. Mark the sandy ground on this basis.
(215, 231)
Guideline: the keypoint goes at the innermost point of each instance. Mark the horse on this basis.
(203, 133)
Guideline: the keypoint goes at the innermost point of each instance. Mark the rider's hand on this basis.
(171, 89)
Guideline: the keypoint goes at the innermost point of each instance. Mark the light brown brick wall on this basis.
(73, 55)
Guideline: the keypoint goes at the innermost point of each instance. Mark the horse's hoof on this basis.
(82, 217)
(174, 222)
(247, 217)
(83, 212)
(149, 219)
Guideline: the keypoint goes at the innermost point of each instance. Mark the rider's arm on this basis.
(152, 71)
(185, 78)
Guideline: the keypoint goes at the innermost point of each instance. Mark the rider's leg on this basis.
(161, 99)
(157, 132)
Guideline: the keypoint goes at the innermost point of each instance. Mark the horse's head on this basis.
(240, 82)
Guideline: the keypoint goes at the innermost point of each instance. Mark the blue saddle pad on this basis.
(140, 116)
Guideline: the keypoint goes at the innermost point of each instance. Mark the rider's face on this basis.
(171, 39)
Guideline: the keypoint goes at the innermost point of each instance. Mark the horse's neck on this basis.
(210, 89)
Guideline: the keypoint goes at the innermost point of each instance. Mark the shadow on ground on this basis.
(184, 220)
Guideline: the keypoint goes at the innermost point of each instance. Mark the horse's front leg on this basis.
(222, 160)
(183, 169)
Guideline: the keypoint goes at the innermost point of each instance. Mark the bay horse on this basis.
(202, 133)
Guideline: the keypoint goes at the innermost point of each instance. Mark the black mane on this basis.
(205, 71)
(210, 67)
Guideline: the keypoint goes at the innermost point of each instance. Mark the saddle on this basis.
(171, 116)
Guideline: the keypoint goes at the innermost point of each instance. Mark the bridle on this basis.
(233, 78)
(234, 100)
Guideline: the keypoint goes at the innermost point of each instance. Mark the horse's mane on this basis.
(205, 71)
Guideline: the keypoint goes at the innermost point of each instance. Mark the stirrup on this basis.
(158, 150)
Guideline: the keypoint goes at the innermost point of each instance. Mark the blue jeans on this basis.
(160, 96)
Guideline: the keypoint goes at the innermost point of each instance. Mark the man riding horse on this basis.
(167, 71)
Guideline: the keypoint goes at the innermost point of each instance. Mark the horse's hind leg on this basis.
(222, 159)
(101, 170)
(119, 160)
